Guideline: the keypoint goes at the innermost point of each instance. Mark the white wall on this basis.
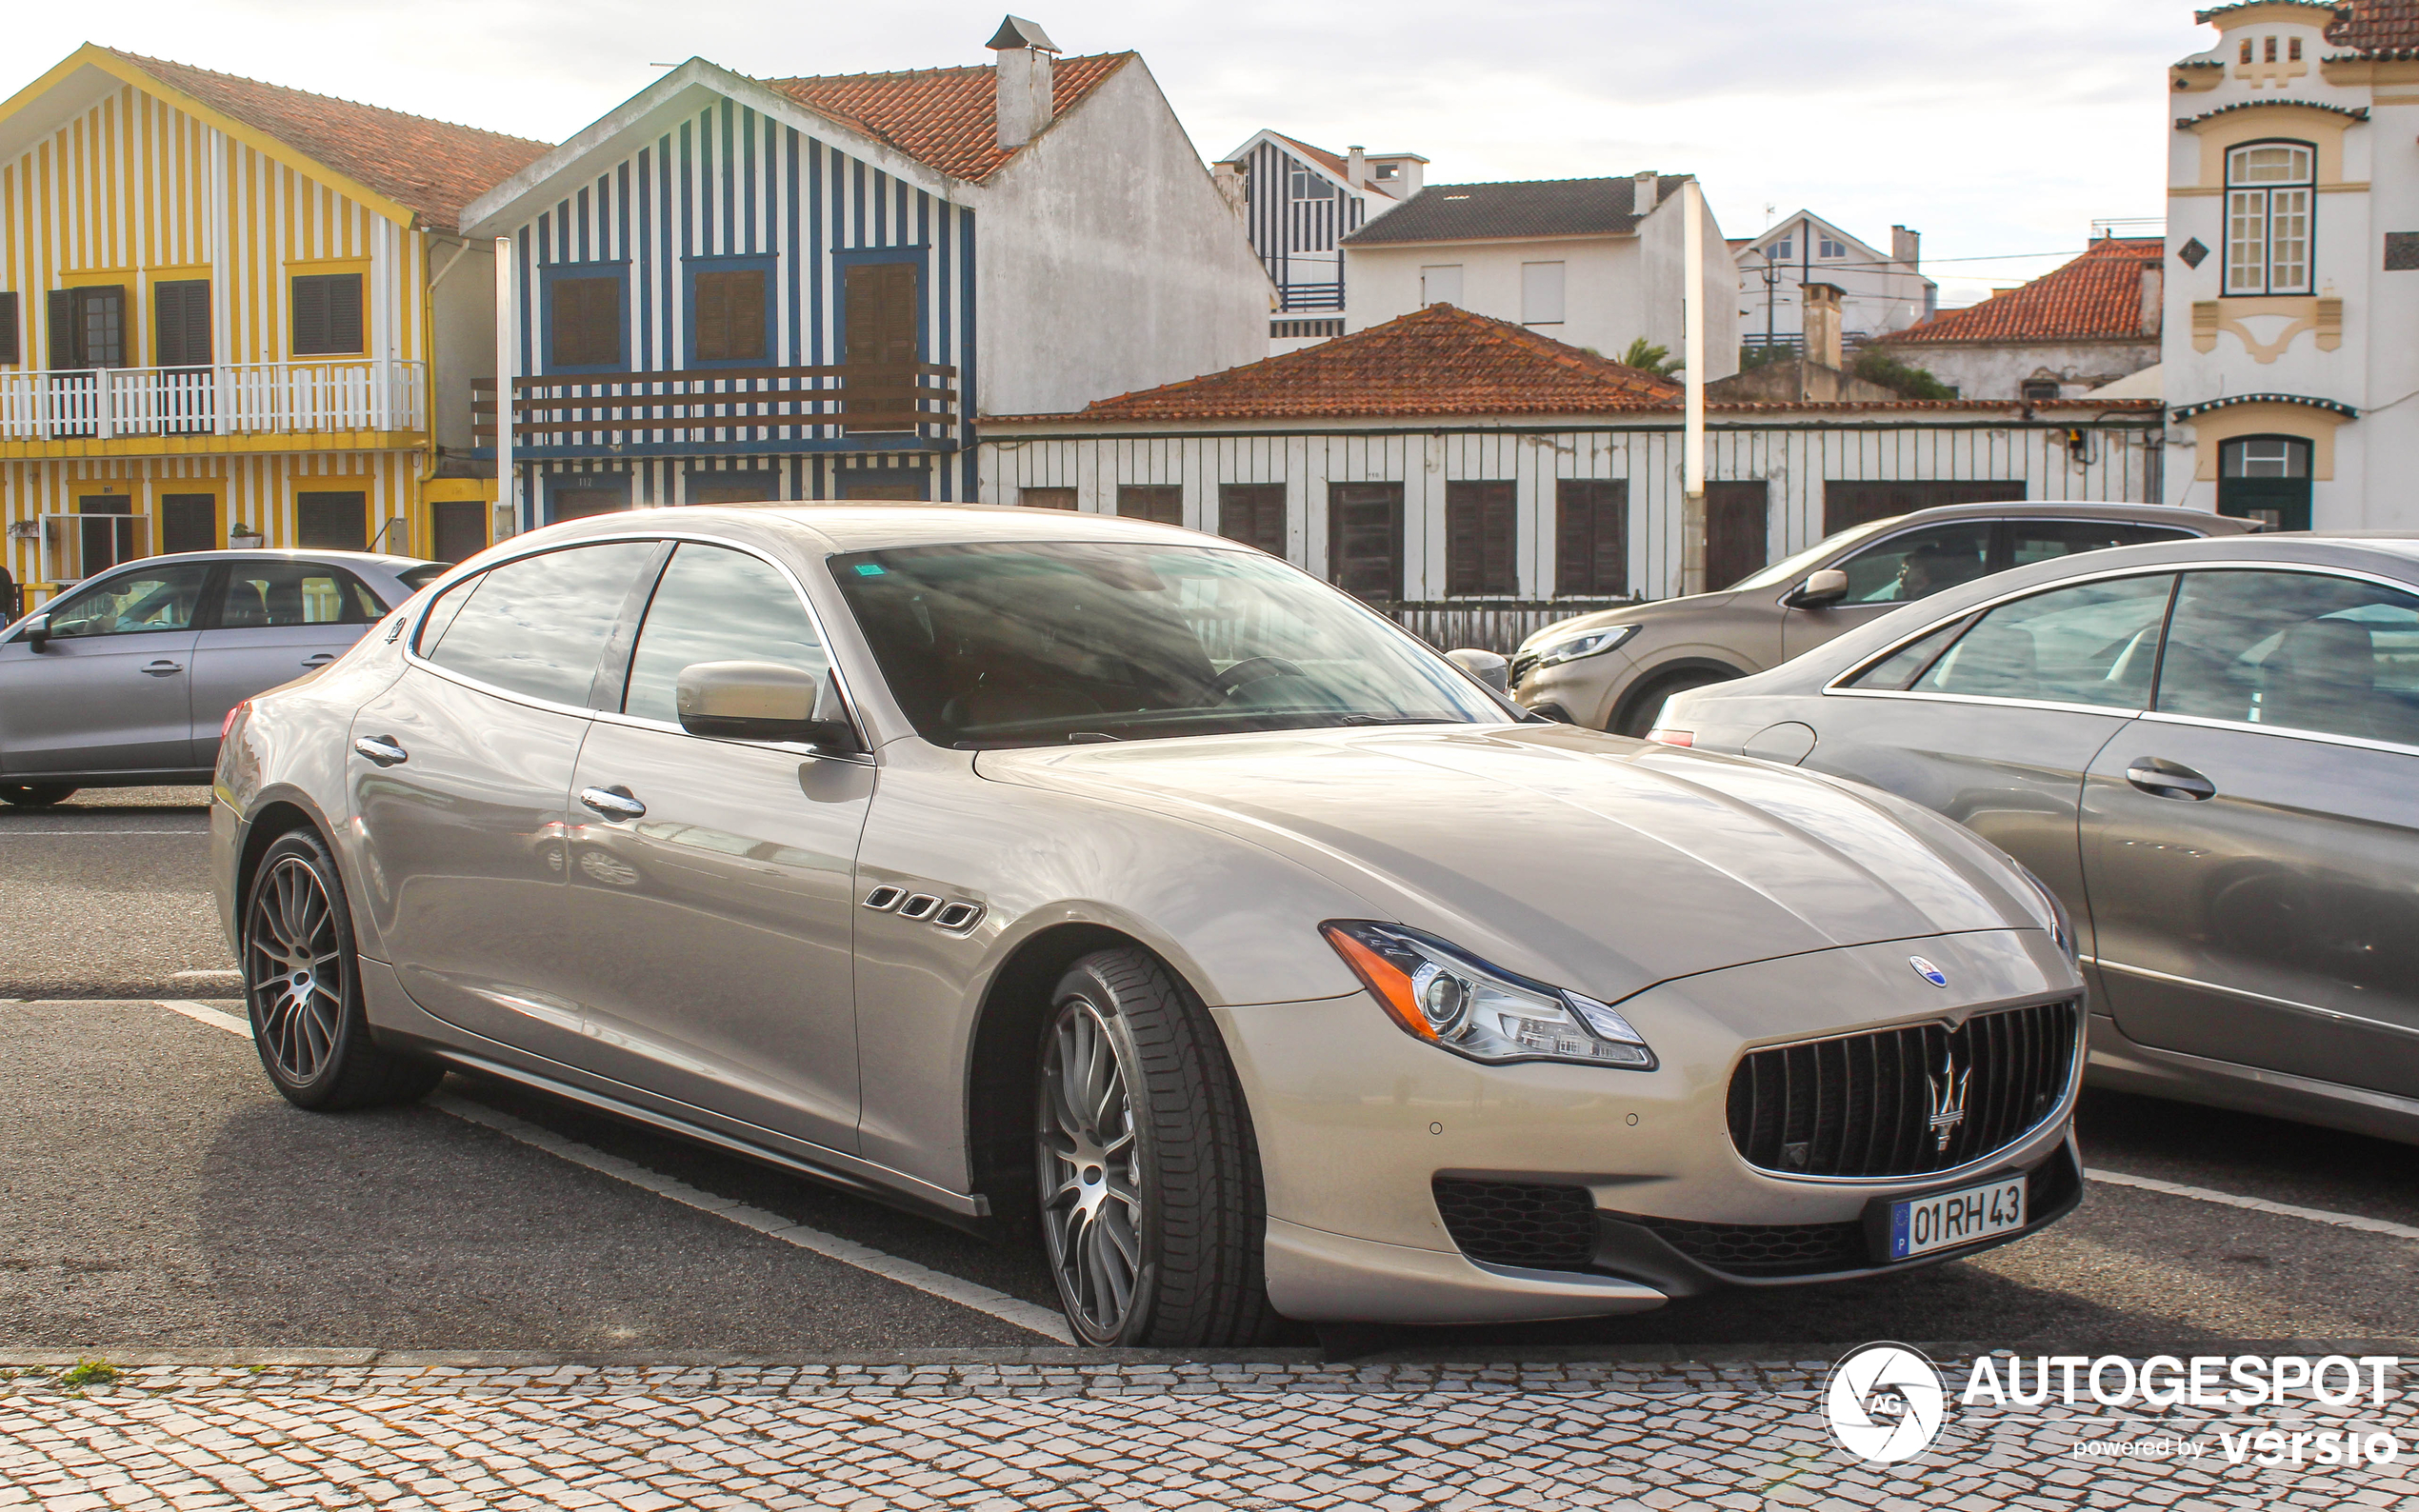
(1796, 459)
(1873, 299)
(1996, 371)
(464, 311)
(1107, 261)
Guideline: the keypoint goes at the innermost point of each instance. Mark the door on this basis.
(333, 521)
(881, 310)
(460, 527)
(1994, 719)
(711, 928)
(1365, 539)
(2249, 846)
(109, 533)
(1737, 532)
(2265, 478)
(460, 775)
(275, 621)
(111, 690)
(1894, 570)
(189, 521)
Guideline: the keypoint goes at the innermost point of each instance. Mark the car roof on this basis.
(846, 525)
(2081, 508)
(390, 565)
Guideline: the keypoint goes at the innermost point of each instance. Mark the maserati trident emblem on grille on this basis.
(1927, 971)
(1945, 1092)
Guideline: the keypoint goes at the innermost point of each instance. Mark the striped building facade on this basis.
(207, 335)
(1298, 203)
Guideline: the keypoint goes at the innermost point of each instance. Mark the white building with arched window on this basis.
(2290, 350)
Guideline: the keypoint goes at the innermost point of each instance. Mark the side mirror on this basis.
(36, 632)
(763, 700)
(1820, 590)
(1495, 671)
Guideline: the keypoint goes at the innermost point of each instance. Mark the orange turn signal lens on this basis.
(1388, 983)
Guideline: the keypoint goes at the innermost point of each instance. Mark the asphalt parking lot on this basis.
(157, 1194)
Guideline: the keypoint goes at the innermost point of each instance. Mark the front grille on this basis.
(1766, 1249)
(1525, 1223)
(1881, 1104)
(1521, 666)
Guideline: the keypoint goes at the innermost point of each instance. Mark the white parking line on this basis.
(2258, 1204)
(966, 1294)
(12, 831)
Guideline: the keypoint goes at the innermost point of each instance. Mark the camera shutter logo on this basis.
(1885, 1403)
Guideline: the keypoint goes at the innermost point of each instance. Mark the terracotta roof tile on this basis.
(2379, 25)
(431, 167)
(2097, 294)
(1436, 361)
(944, 118)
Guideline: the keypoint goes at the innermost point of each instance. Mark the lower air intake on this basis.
(1527, 1224)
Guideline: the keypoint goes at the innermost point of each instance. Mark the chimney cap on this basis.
(1016, 31)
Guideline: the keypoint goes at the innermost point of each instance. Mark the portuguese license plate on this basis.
(1945, 1219)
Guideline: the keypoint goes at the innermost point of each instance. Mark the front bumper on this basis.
(1357, 1123)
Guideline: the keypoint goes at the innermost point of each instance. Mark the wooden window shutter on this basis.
(587, 322)
(343, 312)
(880, 343)
(11, 350)
(1255, 515)
(1162, 503)
(310, 316)
(1592, 536)
(66, 350)
(327, 314)
(1481, 525)
(180, 315)
(730, 315)
(1365, 539)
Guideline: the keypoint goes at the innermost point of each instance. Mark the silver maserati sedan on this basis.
(1065, 872)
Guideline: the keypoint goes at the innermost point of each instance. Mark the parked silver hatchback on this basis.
(126, 678)
(1613, 668)
(2210, 750)
(1020, 866)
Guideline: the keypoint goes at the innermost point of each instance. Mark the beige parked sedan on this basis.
(1612, 669)
(1080, 874)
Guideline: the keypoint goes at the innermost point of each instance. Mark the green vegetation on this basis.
(1908, 381)
(1648, 357)
(87, 1373)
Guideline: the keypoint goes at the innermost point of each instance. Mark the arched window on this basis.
(2269, 189)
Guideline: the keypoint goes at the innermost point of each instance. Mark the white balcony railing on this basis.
(239, 399)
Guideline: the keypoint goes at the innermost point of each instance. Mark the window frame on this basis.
(630, 630)
(553, 273)
(296, 275)
(2157, 715)
(769, 266)
(2228, 285)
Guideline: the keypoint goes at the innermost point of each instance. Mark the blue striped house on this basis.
(1298, 203)
(736, 289)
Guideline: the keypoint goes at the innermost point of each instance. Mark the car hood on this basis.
(1643, 613)
(1601, 863)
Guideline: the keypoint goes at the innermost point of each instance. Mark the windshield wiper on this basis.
(1399, 719)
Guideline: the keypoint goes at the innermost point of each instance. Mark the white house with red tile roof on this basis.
(2080, 326)
(814, 286)
(2291, 366)
(1880, 292)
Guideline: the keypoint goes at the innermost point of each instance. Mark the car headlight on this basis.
(2061, 923)
(1571, 648)
(1457, 1003)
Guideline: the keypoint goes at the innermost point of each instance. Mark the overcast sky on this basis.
(1995, 130)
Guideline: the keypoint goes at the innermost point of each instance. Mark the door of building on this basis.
(460, 528)
(1737, 526)
(2265, 478)
(189, 521)
(1365, 539)
(332, 522)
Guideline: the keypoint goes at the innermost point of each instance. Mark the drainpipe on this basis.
(428, 374)
(1693, 356)
(507, 485)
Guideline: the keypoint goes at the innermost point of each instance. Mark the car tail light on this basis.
(229, 722)
(1673, 737)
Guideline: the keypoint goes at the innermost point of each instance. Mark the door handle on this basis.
(322, 659)
(163, 669)
(613, 803)
(382, 750)
(2166, 779)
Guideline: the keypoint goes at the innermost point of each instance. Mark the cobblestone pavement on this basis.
(1031, 1432)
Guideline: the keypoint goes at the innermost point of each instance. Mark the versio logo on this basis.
(1884, 1402)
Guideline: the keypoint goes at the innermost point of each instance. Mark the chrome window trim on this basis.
(2058, 1114)
(2113, 710)
(2184, 532)
(411, 642)
(2311, 1010)
(1837, 684)
(2282, 731)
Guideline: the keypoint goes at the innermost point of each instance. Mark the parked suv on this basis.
(126, 679)
(1612, 669)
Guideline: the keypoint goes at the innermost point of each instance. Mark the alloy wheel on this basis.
(1093, 1191)
(295, 969)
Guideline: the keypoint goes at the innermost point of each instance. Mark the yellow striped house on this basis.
(232, 313)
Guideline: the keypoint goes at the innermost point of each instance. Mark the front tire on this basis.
(1638, 718)
(35, 795)
(1150, 1201)
(302, 987)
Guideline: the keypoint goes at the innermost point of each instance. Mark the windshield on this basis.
(1790, 568)
(999, 644)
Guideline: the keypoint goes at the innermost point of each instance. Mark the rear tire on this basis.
(302, 987)
(1639, 717)
(1150, 1199)
(33, 795)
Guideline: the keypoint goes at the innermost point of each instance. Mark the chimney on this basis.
(1022, 102)
(1820, 323)
(2153, 297)
(1906, 245)
(1642, 197)
(1229, 179)
(1356, 168)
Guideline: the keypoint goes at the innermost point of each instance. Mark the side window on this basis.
(1918, 564)
(2298, 650)
(2093, 642)
(2031, 541)
(537, 626)
(1900, 668)
(272, 595)
(134, 602)
(327, 312)
(716, 604)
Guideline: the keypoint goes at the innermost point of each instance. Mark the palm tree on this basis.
(1646, 357)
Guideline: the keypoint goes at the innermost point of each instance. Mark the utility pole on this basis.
(1692, 354)
(508, 482)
